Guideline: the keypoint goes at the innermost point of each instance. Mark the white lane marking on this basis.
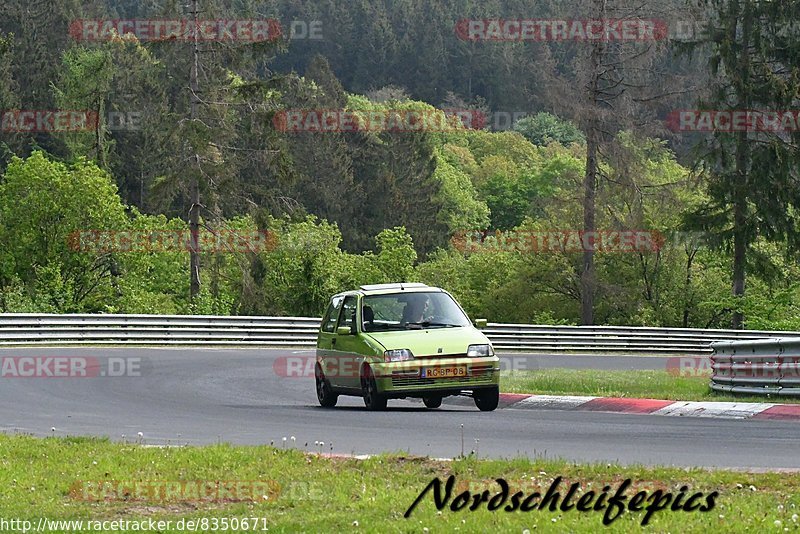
(727, 410)
(552, 402)
(730, 410)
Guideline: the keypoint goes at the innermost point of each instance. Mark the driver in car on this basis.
(415, 309)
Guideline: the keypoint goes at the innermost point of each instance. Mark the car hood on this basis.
(428, 342)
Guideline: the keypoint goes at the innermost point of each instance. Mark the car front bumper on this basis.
(412, 378)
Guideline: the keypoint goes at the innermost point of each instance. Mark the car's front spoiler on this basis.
(422, 393)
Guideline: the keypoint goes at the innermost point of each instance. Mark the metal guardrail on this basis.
(615, 339)
(301, 332)
(757, 367)
(196, 330)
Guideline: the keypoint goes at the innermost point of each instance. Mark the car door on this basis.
(326, 339)
(349, 347)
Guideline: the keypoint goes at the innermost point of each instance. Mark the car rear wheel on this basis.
(326, 397)
(373, 400)
(432, 402)
(487, 399)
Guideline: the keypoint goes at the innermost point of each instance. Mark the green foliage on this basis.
(86, 82)
(545, 128)
(396, 254)
(307, 266)
(42, 204)
(682, 283)
(395, 177)
(481, 282)
(119, 82)
(461, 207)
(375, 491)
(371, 206)
(751, 180)
(514, 178)
(8, 86)
(153, 282)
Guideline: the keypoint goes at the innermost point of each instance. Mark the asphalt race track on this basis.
(199, 396)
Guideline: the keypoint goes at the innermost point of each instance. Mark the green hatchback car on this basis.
(394, 341)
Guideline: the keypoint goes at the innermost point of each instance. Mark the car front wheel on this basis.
(373, 400)
(487, 399)
(432, 402)
(326, 397)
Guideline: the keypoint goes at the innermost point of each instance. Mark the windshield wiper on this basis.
(427, 324)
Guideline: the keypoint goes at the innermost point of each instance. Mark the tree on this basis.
(322, 163)
(605, 85)
(461, 209)
(751, 175)
(123, 84)
(395, 170)
(42, 205)
(544, 128)
(9, 98)
(396, 255)
(225, 92)
(40, 34)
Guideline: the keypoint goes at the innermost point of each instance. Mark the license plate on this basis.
(444, 372)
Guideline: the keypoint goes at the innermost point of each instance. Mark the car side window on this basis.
(348, 317)
(332, 315)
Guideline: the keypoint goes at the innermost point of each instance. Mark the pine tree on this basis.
(752, 175)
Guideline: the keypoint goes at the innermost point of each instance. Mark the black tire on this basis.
(487, 399)
(326, 397)
(373, 400)
(432, 402)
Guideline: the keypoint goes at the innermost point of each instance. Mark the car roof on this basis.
(392, 287)
(386, 289)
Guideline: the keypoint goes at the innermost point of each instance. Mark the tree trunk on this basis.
(589, 194)
(740, 193)
(588, 279)
(194, 189)
(739, 259)
(688, 285)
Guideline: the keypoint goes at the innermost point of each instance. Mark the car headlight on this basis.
(480, 351)
(397, 355)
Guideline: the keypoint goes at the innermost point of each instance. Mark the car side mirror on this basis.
(481, 323)
(344, 331)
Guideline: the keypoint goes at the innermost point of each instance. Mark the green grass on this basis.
(632, 384)
(348, 495)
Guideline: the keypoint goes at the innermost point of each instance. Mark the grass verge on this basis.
(316, 494)
(632, 384)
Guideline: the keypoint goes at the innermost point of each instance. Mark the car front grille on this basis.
(430, 356)
(477, 375)
(481, 370)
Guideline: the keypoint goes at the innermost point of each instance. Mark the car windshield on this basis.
(408, 311)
